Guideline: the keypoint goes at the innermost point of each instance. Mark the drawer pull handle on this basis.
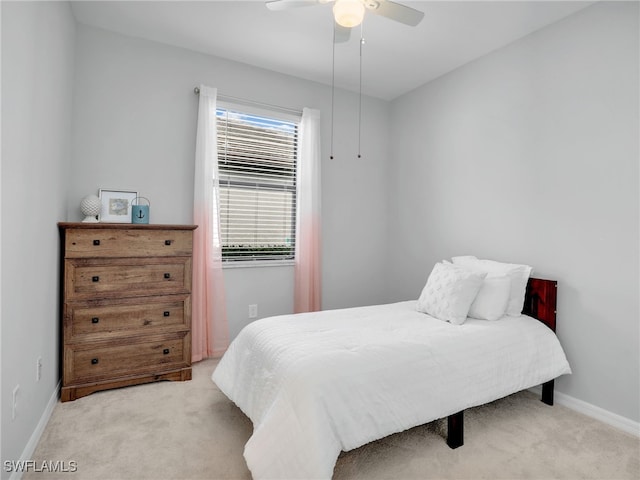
(167, 275)
(94, 361)
(95, 320)
(96, 242)
(166, 314)
(95, 278)
(165, 351)
(168, 242)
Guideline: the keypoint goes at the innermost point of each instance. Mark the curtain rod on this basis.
(227, 98)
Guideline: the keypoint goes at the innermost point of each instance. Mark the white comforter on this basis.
(317, 383)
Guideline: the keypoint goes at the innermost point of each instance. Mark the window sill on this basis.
(258, 264)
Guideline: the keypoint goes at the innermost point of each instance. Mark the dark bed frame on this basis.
(540, 303)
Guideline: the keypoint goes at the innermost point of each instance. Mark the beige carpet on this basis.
(190, 430)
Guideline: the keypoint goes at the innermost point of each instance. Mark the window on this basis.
(257, 171)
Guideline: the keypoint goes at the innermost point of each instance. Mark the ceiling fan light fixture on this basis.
(348, 13)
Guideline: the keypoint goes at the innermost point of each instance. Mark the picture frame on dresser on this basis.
(116, 205)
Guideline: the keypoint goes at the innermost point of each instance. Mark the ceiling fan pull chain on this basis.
(333, 84)
(360, 92)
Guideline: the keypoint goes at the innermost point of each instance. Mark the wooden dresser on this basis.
(126, 305)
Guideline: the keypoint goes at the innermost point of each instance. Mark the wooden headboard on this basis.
(540, 301)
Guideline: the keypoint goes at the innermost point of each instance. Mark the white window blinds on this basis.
(257, 175)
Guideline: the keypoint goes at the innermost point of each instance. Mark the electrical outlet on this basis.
(14, 402)
(253, 311)
(38, 369)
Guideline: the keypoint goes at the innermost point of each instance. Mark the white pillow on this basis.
(491, 301)
(449, 292)
(519, 275)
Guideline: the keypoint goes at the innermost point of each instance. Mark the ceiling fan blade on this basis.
(395, 11)
(340, 34)
(277, 5)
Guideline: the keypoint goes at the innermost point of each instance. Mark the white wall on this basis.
(530, 154)
(134, 128)
(37, 83)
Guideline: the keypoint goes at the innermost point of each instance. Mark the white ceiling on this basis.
(396, 58)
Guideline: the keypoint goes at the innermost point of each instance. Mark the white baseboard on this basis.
(605, 416)
(27, 453)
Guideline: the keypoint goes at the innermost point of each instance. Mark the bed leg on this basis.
(547, 392)
(455, 433)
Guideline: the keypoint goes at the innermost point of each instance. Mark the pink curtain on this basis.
(209, 328)
(307, 287)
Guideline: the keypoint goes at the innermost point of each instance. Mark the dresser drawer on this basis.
(99, 242)
(89, 363)
(126, 277)
(100, 319)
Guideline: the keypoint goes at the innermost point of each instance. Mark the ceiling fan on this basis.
(349, 13)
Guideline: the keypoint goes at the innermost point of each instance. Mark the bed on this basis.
(316, 384)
